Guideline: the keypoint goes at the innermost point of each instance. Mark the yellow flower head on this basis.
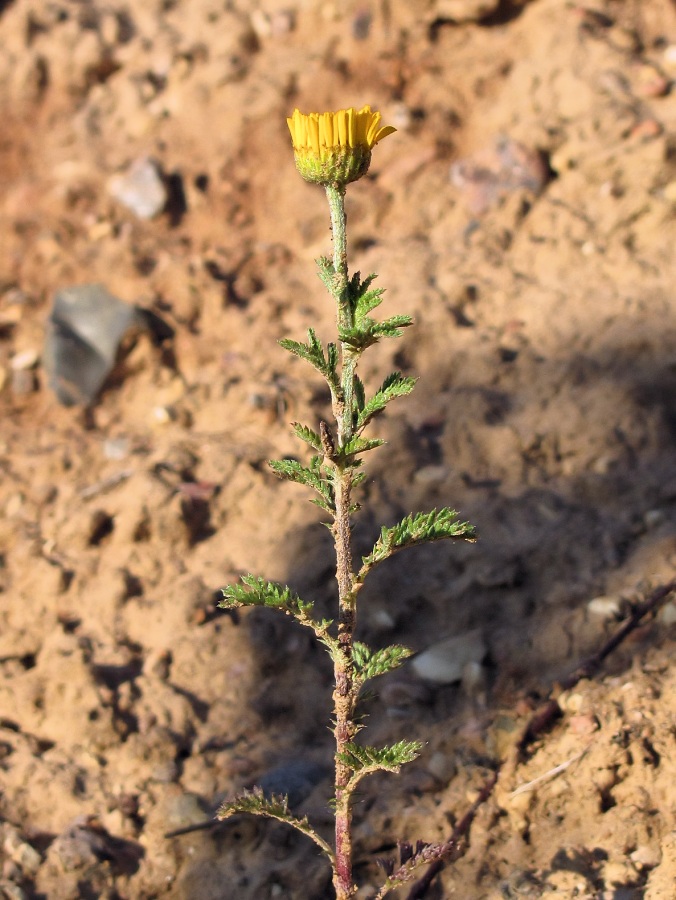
(335, 147)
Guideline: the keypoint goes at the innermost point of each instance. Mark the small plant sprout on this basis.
(333, 149)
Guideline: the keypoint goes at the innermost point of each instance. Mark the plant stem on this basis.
(344, 695)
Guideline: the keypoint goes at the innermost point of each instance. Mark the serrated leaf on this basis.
(308, 435)
(367, 302)
(274, 806)
(395, 385)
(357, 444)
(371, 663)
(255, 591)
(310, 476)
(359, 394)
(369, 332)
(313, 352)
(365, 759)
(326, 273)
(415, 529)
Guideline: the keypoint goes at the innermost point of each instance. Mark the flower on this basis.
(335, 147)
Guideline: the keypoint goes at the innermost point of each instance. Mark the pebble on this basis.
(431, 475)
(669, 57)
(465, 10)
(669, 192)
(604, 607)
(185, 810)
(116, 448)
(442, 766)
(583, 724)
(653, 518)
(667, 615)
(646, 130)
(27, 359)
(645, 857)
(11, 891)
(445, 662)
(22, 853)
(141, 189)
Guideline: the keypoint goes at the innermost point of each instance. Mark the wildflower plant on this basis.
(333, 149)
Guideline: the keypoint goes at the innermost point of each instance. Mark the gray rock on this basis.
(83, 335)
(445, 662)
(605, 607)
(141, 189)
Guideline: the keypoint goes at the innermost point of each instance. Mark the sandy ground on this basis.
(524, 214)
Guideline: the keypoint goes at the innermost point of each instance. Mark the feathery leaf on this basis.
(418, 528)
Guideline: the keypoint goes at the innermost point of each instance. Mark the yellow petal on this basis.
(341, 127)
(383, 132)
(313, 133)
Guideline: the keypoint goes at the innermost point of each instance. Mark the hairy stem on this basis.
(344, 695)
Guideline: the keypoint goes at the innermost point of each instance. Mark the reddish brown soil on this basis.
(545, 412)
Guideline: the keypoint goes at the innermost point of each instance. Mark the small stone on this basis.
(161, 415)
(442, 766)
(667, 614)
(116, 448)
(22, 853)
(571, 703)
(646, 130)
(669, 57)
(653, 518)
(27, 359)
(583, 724)
(604, 607)
(444, 662)
(185, 810)
(669, 192)
(645, 857)
(11, 891)
(431, 475)
(465, 10)
(141, 189)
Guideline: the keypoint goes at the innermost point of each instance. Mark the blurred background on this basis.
(156, 243)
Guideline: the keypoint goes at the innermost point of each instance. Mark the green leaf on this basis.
(362, 299)
(255, 591)
(311, 476)
(313, 352)
(308, 435)
(367, 301)
(357, 445)
(255, 802)
(415, 529)
(363, 760)
(371, 663)
(395, 385)
(327, 273)
(369, 332)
